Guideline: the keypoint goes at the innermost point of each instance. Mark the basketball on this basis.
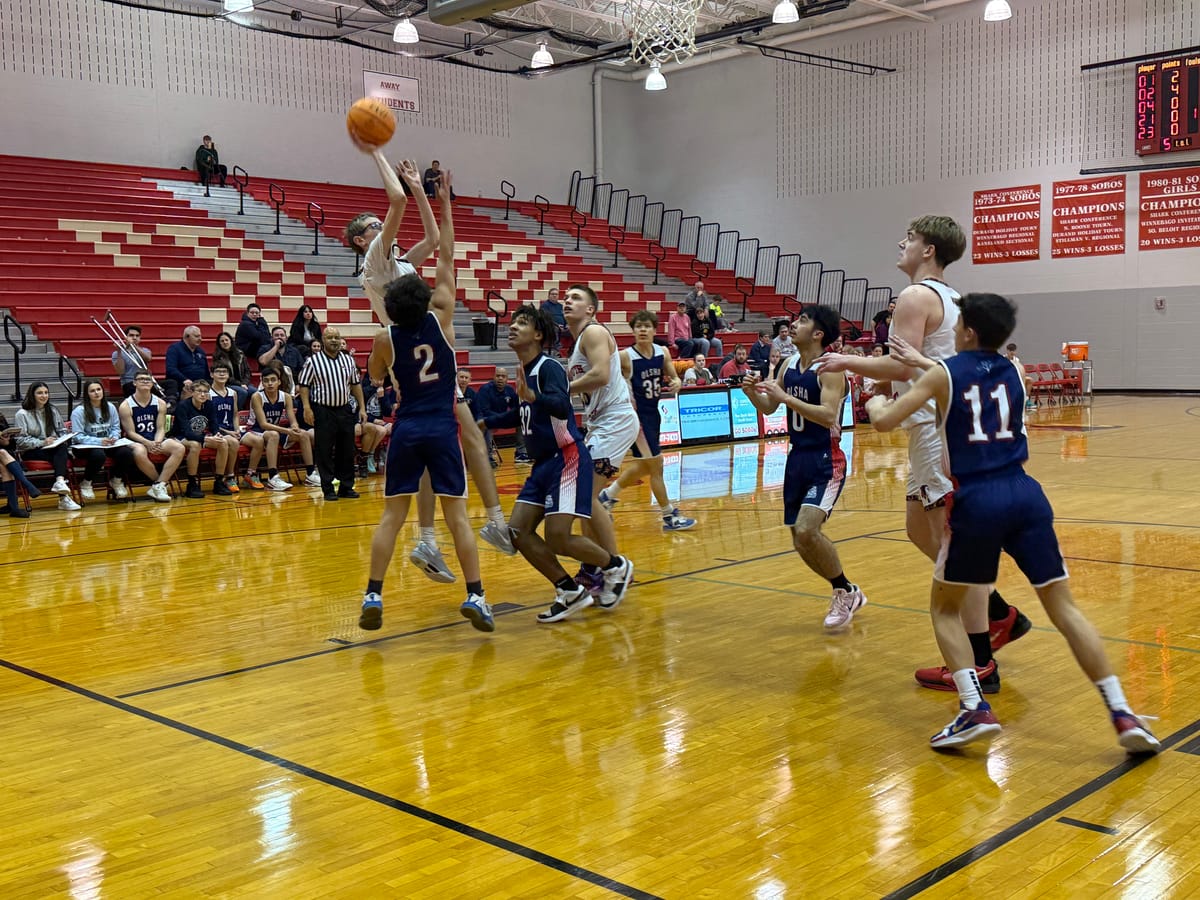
(371, 121)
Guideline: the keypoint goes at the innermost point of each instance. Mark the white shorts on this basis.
(609, 438)
(928, 482)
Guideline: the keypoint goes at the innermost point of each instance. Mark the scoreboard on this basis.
(1168, 105)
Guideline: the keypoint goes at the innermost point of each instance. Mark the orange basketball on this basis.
(371, 121)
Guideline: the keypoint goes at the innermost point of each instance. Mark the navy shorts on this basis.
(812, 479)
(562, 484)
(418, 446)
(1008, 514)
(651, 425)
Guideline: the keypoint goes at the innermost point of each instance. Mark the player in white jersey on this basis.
(383, 262)
(924, 317)
(594, 370)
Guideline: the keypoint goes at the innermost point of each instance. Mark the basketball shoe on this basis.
(606, 501)
(940, 678)
(1133, 734)
(498, 536)
(1012, 627)
(566, 603)
(844, 605)
(673, 521)
(371, 617)
(476, 609)
(969, 725)
(593, 581)
(616, 583)
(429, 560)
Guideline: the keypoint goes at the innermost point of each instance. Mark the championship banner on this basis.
(1088, 217)
(1007, 225)
(1169, 210)
(397, 91)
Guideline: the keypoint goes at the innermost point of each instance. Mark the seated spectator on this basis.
(468, 393)
(11, 473)
(773, 361)
(699, 373)
(704, 335)
(371, 433)
(143, 421)
(882, 323)
(195, 425)
(227, 403)
(41, 426)
(97, 427)
(553, 306)
(696, 298)
(240, 378)
(208, 163)
(306, 328)
(274, 426)
(493, 401)
(760, 352)
(679, 331)
(253, 335)
(432, 178)
(131, 358)
(736, 367)
(186, 362)
(717, 314)
(287, 355)
(783, 339)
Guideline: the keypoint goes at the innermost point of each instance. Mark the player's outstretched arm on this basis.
(886, 414)
(906, 353)
(444, 292)
(397, 201)
(423, 249)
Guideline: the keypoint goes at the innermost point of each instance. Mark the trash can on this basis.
(485, 330)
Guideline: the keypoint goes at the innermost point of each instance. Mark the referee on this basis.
(326, 382)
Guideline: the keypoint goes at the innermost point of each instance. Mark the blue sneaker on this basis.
(371, 617)
(969, 725)
(673, 521)
(476, 609)
(606, 501)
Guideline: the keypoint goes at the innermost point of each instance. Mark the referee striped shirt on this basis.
(329, 379)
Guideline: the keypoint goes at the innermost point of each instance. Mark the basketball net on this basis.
(662, 30)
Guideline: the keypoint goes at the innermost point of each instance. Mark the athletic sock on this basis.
(841, 583)
(496, 514)
(10, 491)
(997, 606)
(375, 586)
(1110, 690)
(475, 587)
(981, 646)
(613, 562)
(613, 491)
(566, 584)
(969, 693)
(271, 473)
(428, 537)
(18, 473)
(590, 569)
(308, 470)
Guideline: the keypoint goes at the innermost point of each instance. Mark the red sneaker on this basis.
(940, 678)
(1013, 626)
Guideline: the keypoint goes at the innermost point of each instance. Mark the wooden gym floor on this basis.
(190, 710)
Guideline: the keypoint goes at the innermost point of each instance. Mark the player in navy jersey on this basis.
(225, 402)
(143, 421)
(273, 427)
(648, 368)
(559, 487)
(195, 425)
(417, 350)
(816, 466)
(997, 507)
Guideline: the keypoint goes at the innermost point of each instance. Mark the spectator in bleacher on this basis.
(144, 420)
(717, 314)
(208, 162)
(736, 367)
(493, 401)
(468, 393)
(432, 178)
(704, 335)
(253, 335)
(11, 472)
(97, 427)
(286, 354)
(679, 331)
(186, 362)
(554, 308)
(240, 378)
(696, 298)
(383, 260)
(374, 430)
(306, 328)
(195, 426)
(41, 425)
(760, 351)
(699, 373)
(783, 339)
(131, 358)
(773, 361)
(882, 323)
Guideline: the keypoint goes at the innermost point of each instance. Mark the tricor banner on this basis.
(1169, 210)
(1088, 217)
(1007, 225)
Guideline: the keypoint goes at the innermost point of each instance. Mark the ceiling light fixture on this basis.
(655, 80)
(541, 57)
(997, 11)
(785, 13)
(406, 32)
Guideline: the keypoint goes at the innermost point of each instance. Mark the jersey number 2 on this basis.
(1000, 395)
(425, 352)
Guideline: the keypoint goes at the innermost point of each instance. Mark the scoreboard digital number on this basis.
(1168, 105)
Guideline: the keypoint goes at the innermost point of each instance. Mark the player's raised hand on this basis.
(523, 390)
(903, 351)
(772, 390)
(443, 187)
(751, 378)
(407, 170)
(834, 362)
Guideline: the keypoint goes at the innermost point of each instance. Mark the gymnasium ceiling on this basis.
(577, 32)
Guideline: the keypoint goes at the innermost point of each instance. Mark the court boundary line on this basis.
(344, 785)
(1022, 827)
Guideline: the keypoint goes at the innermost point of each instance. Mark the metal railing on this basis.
(500, 314)
(312, 211)
(616, 234)
(278, 197)
(240, 179)
(578, 219)
(509, 190)
(543, 207)
(18, 352)
(658, 252)
(73, 394)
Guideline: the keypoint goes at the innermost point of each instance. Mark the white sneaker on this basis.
(429, 560)
(158, 493)
(616, 583)
(313, 480)
(476, 609)
(844, 605)
(566, 603)
(60, 486)
(498, 536)
(85, 490)
(118, 488)
(275, 483)
(66, 504)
